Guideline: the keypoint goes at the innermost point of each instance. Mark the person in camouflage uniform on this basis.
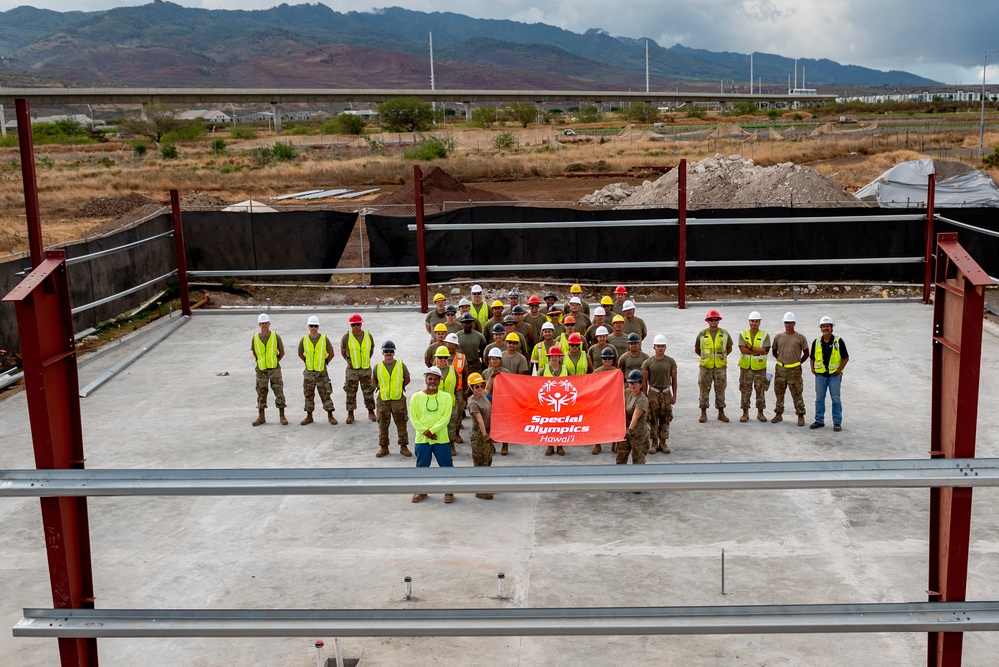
(480, 409)
(659, 372)
(790, 349)
(636, 407)
(356, 347)
(316, 351)
(268, 350)
(754, 346)
(712, 345)
(392, 378)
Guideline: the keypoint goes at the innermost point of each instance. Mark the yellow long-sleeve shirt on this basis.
(431, 413)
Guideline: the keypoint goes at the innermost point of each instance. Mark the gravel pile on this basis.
(731, 181)
(112, 207)
(202, 200)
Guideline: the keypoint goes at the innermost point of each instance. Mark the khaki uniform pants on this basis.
(660, 414)
(353, 377)
(457, 414)
(388, 411)
(637, 445)
(317, 380)
(482, 449)
(750, 380)
(789, 378)
(273, 377)
(712, 376)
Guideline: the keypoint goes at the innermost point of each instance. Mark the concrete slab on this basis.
(172, 408)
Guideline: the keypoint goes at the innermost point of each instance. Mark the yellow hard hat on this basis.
(439, 297)
(496, 304)
(618, 318)
(607, 301)
(442, 352)
(513, 336)
(576, 289)
(440, 327)
(475, 379)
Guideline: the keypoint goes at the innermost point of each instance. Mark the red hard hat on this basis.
(712, 313)
(534, 299)
(355, 319)
(575, 339)
(555, 351)
(620, 289)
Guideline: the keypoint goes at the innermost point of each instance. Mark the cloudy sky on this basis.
(945, 41)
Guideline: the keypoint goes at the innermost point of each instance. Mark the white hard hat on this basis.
(601, 331)
(313, 320)
(575, 299)
(451, 338)
(755, 315)
(789, 317)
(464, 302)
(628, 305)
(825, 320)
(495, 352)
(599, 310)
(433, 370)
(263, 317)
(548, 325)
(659, 340)
(476, 289)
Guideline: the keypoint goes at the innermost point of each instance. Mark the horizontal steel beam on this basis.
(485, 268)
(250, 273)
(564, 224)
(130, 290)
(97, 382)
(962, 225)
(737, 263)
(101, 253)
(763, 619)
(920, 473)
(905, 217)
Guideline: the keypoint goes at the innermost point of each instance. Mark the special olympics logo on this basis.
(557, 394)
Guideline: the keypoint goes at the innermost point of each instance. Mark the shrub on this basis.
(168, 151)
(773, 114)
(376, 147)
(298, 130)
(243, 132)
(139, 148)
(430, 148)
(992, 160)
(283, 151)
(504, 141)
(744, 108)
(345, 123)
(218, 145)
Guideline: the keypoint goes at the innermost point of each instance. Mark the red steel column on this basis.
(421, 238)
(681, 243)
(931, 190)
(48, 350)
(958, 302)
(178, 242)
(30, 181)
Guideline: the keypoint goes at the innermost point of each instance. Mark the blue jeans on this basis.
(441, 452)
(832, 383)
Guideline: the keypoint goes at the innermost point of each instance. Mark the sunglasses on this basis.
(355, 325)
(712, 319)
(313, 326)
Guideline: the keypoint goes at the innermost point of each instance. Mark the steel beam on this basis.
(762, 619)
(97, 382)
(958, 302)
(898, 474)
(30, 182)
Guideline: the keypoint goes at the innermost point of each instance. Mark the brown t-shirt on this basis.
(594, 354)
(636, 325)
(628, 363)
(619, 343)
(787, 348)
(434, 318)
(482, 406)
(515, 363)
(660, 372)
(632, 402)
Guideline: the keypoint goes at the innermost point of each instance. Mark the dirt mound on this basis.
(112, 207)
(438, 187)
(200, 199)
(721, 181)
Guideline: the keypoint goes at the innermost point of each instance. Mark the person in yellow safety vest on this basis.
(754, 346)
(392, 377)
(316, 351)
(479, 308)
(829, 359)
(712, 345)
(436, 316)
(790, 349)
(570, 330)
(356, 348)
(555, 369)
(576, 363)
(268, 350)
(440, 332)
(449, 385)
(539, 356)
(460, 364)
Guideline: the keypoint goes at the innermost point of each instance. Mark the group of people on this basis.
(549, 340)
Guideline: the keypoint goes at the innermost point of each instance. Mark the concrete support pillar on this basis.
(142, 113)
(468, 111)
(276, 110)
(3, 123)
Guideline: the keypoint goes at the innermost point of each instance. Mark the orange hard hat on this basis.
(569, 319)
(355, 319)
(712, 314)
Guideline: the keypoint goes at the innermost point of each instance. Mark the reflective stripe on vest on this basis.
(834, 359)
(450, 381)
(389, 385)
(360, 350)
(315, 353)
(267, 355)
(713, 350)
(563, 342)
(562, 372)
(756, 362)
(540, 356)
(579, 367)
(458, 364)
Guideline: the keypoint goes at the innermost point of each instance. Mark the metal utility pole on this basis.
(646, 65)
(981, 128)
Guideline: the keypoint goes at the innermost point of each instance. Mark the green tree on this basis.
(589, 114)
(744, 108)
(483, 116)
(345, 123)
(643, 113)
(431, 148)
(523, 113)
(405, 114)
(159, 122)
(504, 141)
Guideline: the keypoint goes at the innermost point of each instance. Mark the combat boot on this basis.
(721, 415)
(654, 447)
(350, 416)
(745, 416)
(371, 416)
(458, 438)
(801, 420)
(260, 418)
(505, 449)
(404, 450)
(597, 449)
(308, 419)
(484, 496)
(777, 418)
(330, 417)
(664, 448)
(704, 415)
(549, 451)
(454, 450)
(560, 451)
(382, 451)
(762, 417)
(281, 417)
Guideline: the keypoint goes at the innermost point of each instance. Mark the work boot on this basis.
(721, 415)
(371, 416)
(308, 419)
(458, 438)
(801, 420)
(560, 451)
(654, 447)
(596, 449)
(382, 451)
(449, 498)
(816, 425)
(260, 418)
(505, 449)
(454, 450)
(484, 496)
(762, 417)
(330, 417)
(404, 450)
(281, 417)
(419, 497)
(704, 415)
(664, 448)
(745, 416)
(350, 417)
(549, 451)
(777, 418)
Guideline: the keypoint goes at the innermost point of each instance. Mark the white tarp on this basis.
(904, 185)
(251, 206)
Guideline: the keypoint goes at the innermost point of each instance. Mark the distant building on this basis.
(363, 113)
(207, 115)
(83, 119)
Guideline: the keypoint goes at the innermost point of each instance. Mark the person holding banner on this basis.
(430, 412)
(576, 362)
(480, 408)
(554, 368)
(636, 407)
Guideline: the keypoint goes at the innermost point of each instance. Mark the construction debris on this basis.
(112, 207)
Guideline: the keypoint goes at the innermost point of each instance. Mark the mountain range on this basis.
(311, 45)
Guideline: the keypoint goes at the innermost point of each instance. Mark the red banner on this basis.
(574, 410)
